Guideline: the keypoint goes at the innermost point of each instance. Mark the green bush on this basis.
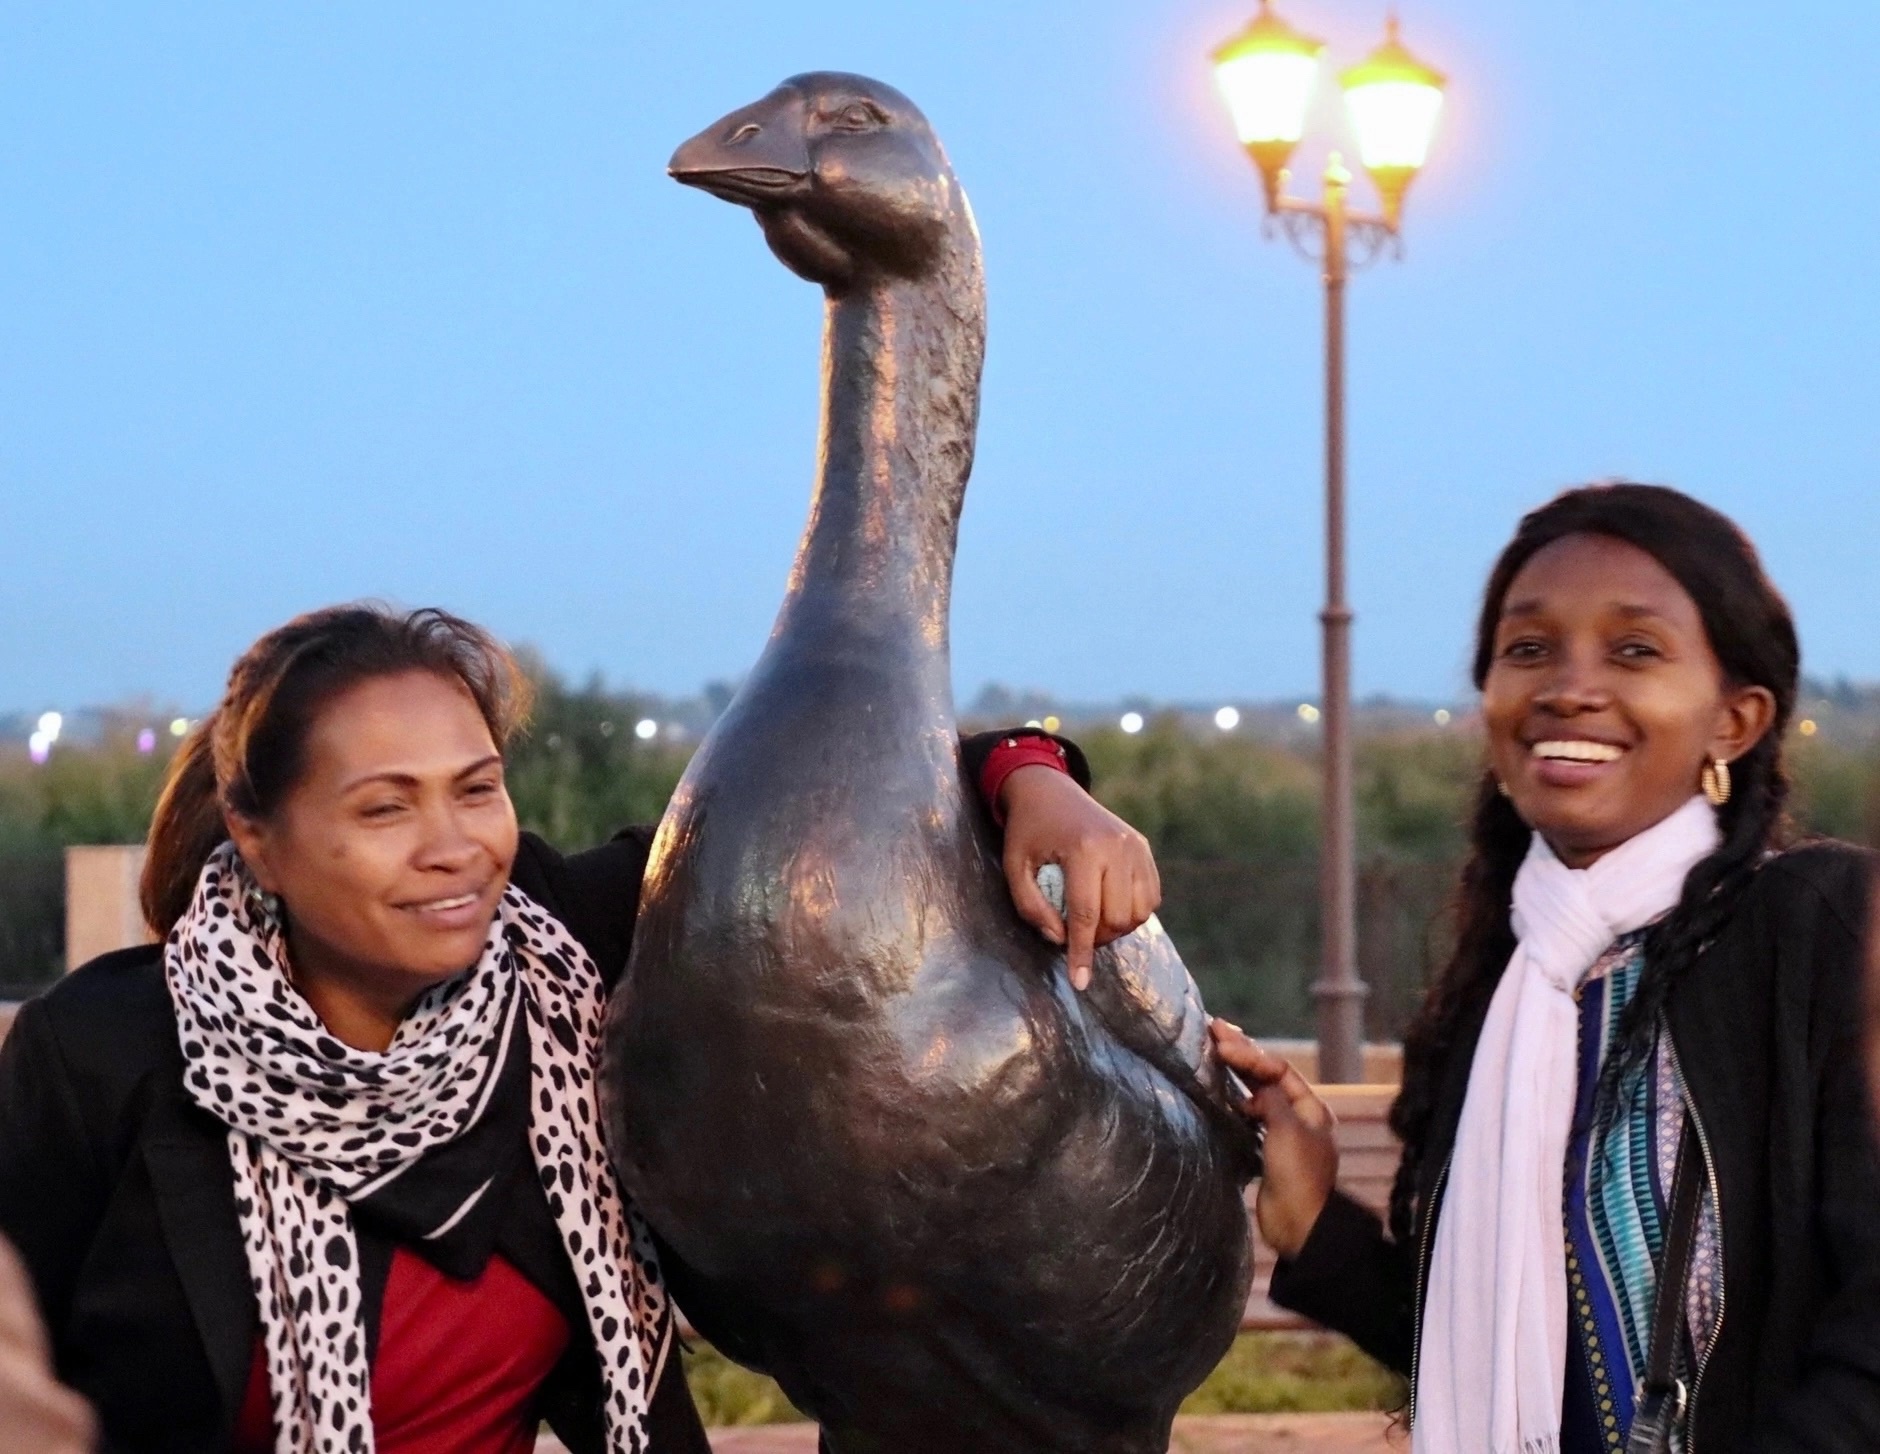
(728, 1395)
(578, 774)
(1282, 1373)
(101, 794)
(1229, 800)
(1263, 1373)
(1836, 791)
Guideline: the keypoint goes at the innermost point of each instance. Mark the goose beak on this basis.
(757, 156)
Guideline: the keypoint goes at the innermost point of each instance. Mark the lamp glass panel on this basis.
(1394, 121)
(1267, 92)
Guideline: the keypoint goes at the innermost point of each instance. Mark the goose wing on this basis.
(1145, 997)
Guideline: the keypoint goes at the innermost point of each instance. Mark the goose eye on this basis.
(859, 116)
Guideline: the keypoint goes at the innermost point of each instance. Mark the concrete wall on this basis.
(1383, 1060)
(101, 912)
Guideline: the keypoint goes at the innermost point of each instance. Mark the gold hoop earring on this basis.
(1714, 780)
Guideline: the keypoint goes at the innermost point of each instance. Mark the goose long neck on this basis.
(901, 363)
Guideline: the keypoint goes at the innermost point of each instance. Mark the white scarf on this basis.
(1492, 1365)
(315, 1125)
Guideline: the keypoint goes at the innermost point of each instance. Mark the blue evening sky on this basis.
(306, 302)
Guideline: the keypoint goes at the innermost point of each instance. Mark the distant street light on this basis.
(1266, 75)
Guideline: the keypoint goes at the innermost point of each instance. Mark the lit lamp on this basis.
(1266, 74)
(1394, 100)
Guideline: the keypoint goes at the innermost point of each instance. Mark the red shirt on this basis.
(458, 1367)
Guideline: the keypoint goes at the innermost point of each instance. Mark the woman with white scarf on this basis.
(1644, 973)
(321, 1171)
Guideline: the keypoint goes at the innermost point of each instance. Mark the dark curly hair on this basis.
(1753, 635)
(246, 755)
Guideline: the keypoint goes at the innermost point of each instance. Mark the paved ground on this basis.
(1288, 1434)
(1226, 1434)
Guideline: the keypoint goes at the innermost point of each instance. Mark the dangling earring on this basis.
(1502, 788)
(264, 909)
(1714, 780)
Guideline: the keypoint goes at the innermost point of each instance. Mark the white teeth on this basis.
(1577, 751)
(440, 905)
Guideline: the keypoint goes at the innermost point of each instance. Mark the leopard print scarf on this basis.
(315, 1126)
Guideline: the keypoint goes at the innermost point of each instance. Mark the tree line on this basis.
(1233, 818)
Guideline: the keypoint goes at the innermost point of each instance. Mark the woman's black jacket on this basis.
(117, 1190)
(1767, 1029)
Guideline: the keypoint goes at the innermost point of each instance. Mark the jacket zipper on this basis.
(1422, 1282)
(1716, 1202)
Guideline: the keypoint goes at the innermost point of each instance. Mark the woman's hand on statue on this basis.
(1110, 881)
(1301, 1151)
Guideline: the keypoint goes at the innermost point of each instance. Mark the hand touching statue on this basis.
(1110, 882)
(1301, 1152)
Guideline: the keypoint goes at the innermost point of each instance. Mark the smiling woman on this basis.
(1602, 692)
(322, 1171)
(1636, 1087)
(376, 885)
(397, 836)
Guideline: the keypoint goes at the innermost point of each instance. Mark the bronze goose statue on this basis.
(898, 1163)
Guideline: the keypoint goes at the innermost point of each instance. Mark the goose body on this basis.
(951, 1204)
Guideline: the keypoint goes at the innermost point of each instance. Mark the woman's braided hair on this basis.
(1753, 636)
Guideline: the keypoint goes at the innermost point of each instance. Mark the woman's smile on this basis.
(1562, 761)
(456, 912)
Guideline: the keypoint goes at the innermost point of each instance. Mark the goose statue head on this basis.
(844, 174)
(854, 192)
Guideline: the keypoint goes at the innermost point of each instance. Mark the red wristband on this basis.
(1022, 749)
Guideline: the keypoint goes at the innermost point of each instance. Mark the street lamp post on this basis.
(1266, 74)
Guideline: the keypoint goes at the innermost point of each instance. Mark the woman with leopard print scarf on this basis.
(322, 1171)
